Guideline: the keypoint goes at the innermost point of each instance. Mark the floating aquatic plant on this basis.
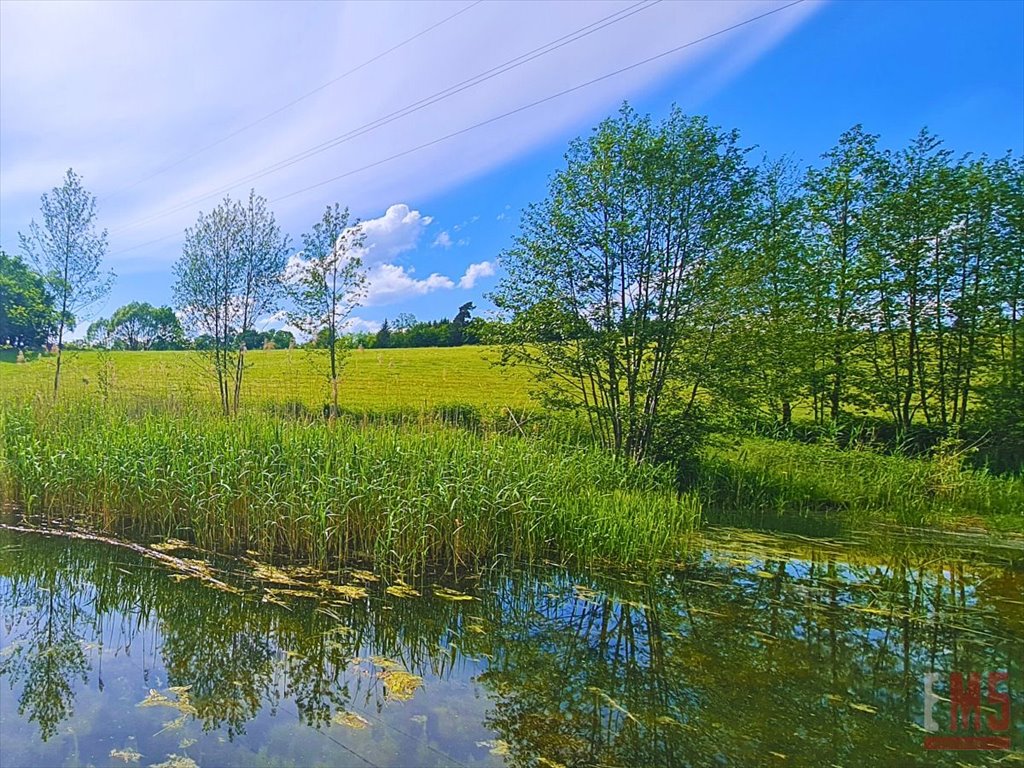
(345, 590)
(176, 761)
(401, 685)
(402, 590)
(450, 594)
(351, 719)
(126, 755)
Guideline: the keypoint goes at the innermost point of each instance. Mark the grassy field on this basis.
(372, 380)
(108, 451)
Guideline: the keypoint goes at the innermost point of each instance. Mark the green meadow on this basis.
(372, 380)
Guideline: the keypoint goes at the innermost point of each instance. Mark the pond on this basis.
(756, 649)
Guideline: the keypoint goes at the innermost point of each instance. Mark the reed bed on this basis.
(857, 486)
(406, 499)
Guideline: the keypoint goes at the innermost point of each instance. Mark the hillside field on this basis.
(372, 379)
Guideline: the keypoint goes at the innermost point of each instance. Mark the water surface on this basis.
(756, 649)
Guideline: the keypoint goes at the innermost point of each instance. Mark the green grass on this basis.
(855, 488)
(406, 499)
(373, 379)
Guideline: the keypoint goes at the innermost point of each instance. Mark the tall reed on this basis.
(406, 498)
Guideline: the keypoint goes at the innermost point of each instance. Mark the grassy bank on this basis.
(402, 498)
(758, 479)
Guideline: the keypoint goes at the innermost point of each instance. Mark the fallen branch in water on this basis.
(195, 569)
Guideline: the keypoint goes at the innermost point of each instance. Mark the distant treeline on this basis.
(27, 320)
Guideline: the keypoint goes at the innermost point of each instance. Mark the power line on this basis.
(413, 107)
(523, 108)
(544, 100)
(293, 102)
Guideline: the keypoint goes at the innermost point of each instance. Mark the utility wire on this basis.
(515, 111)
(293, 102)
(538, 102)
(411, 108)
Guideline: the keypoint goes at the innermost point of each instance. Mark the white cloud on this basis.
(397, 231)
(388, 283)
(360, 325)
(443, 240)
(474, 272)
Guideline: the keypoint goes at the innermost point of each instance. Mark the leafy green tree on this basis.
(904, 274)
(26, 309)
(67, 250)
(614, 287)
(98, 333)
(137, 326)
(229, 275)
(1004, 392)
(773, 327)
(840, 201)
(404, 321)
(283, 339)
(327, 282)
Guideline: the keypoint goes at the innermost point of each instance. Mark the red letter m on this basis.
(966, 703)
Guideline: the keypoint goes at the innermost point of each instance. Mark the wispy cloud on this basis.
(120, 109)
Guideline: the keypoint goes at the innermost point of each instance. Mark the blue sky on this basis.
(121, 91)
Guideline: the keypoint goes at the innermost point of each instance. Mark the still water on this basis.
(757, 649)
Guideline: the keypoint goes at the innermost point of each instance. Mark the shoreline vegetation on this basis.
(448, 487)
(406, 499)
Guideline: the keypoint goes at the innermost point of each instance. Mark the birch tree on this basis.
(67, 250)
(229, 275)
(326, 283)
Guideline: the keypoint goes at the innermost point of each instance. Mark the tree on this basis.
(615, 287)
(98, 333)
(67, 251)
(404, 321)
(327, 282)
(26, 309)
(229, 275)
(840, 200)
(904, 274)
(138, 326)
(460, 322)
(383, 338)
(283, 339)
(1004, 392)
(773, 331)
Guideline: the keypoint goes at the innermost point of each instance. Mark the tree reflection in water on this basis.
(754, 649)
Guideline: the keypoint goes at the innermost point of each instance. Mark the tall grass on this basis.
(406, 498)
(776, 478)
